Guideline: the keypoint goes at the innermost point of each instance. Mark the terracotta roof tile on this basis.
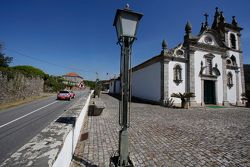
(72, 74)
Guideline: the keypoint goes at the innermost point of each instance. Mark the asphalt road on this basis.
(20, 124)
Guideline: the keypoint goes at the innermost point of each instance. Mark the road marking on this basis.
(26, 114)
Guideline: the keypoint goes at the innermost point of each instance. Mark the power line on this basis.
(47, 62)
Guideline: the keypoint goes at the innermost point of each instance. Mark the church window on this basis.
(208, 40)
(179, 52)
(209, 66)
(177, 74)
(233, 41)
(209, 63)
(233, 59)
(230, 80)
(229, 62)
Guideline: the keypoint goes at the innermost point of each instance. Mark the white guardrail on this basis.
(65, 156)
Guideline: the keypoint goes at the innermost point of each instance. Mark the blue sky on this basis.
(78, 34)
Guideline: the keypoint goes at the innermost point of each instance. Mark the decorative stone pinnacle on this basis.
(222, 18)
(188, 28)
(216, 10)
(164, 45)
(202, 27)
(234, 21)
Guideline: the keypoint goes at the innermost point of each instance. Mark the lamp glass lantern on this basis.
(126, 23)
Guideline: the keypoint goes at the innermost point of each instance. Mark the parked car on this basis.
(64, 95)
(72, 94)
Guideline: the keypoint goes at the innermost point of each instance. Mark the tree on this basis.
(184, 98)
(246, 96)
(4, 60)
(53, 83)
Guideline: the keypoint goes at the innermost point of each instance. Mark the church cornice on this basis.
(232, 27)
(229, 67)
(208, 77)
(177, 59)
(234, 50)
(208, 48)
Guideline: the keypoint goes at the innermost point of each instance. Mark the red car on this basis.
(64, 95)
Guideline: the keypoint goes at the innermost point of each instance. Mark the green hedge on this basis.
(9, 72)
(30, 71)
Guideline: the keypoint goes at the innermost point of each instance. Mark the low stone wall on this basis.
(19, 87)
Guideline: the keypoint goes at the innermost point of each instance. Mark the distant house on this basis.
(105, 84)
(73, 80)
(114, 85)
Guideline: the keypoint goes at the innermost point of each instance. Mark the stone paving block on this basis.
(166, 137)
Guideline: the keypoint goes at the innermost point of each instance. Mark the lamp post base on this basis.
(114, 162)
(122, 159)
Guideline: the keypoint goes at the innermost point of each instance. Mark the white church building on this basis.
(208, 64)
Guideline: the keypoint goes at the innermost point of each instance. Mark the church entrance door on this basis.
(209, 92)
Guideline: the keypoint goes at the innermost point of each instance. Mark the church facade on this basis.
(208, 64)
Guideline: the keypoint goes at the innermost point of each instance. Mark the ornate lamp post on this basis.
(126, 23)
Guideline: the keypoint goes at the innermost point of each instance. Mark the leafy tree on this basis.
(246, 96)
(54, 83)
(4, 60)
(184, 97)
(90, 84)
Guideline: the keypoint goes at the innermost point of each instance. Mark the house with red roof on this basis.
(73, 80)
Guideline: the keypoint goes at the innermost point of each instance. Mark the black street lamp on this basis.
(126, 23)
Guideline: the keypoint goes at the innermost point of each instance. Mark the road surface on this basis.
(20, 124)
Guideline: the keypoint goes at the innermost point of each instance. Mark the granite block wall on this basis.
(19, 86)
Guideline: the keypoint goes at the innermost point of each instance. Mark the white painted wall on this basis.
(117, 86)
(219, 83)
(173, 88)
(231, 93)
(237, 56)
(199, 56)
(111, 86)
(114, 86)
(146, 82)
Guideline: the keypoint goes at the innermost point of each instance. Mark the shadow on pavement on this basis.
(84, 162)
(133, 99)
(67, 120)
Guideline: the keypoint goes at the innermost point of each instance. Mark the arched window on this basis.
(177, 74)
(233, 41)
(233, 60)
(229, 62)
(230, 80)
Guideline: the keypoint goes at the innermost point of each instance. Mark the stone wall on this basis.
(19, 87)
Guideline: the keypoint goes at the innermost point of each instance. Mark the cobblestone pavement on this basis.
(161, 137)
